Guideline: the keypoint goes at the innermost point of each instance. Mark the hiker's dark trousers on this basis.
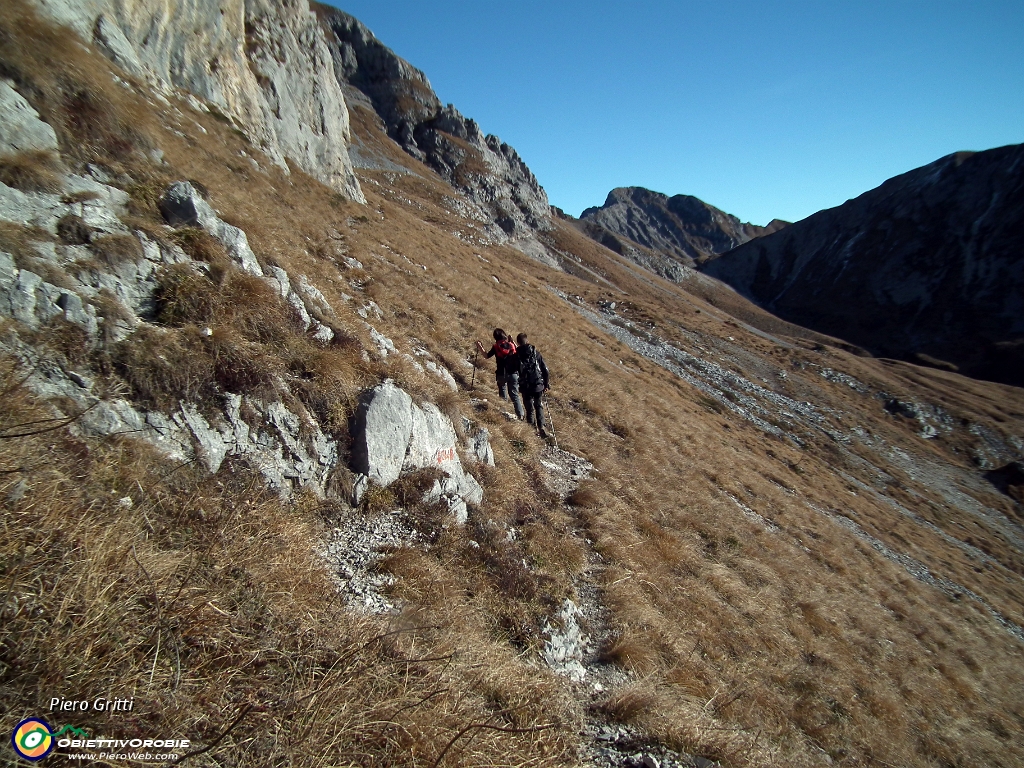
(511, 384)
(533, 402)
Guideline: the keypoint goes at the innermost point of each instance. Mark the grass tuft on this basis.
(585, 496)
(34, 171)
(627, 704)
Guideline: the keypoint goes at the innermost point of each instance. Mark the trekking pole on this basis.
(475, 353)
(551, 424)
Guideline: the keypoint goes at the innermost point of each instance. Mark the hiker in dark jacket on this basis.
(533, 381)
(507, 373)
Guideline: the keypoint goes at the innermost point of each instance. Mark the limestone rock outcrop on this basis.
(478, 444)
(566, 644)
(287, 447)
(392, 435)
(21, 130)
(182, 204)
(925, 267)
(487, 169)
(27, 298)
(32, 300)
(265, 65)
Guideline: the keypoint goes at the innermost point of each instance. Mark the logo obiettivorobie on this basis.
(32, 739)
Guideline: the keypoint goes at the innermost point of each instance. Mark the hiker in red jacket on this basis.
(507, 374)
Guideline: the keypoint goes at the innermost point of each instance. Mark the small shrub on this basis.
(202, 246)
(812, 616)
(144, 199)
(328, 381)
(503, 561)
(82, 196)
(619, 429)
(585, 407)
(633, 652)
(18, 240)
(376, 500)
(709, 404)
(68, 340)
(114, 314)
(183, 295)
(626, 704)
(450, 405)
(239, 366)
(240, 301)
(427, 518)
(256, 310)
(199, 187)
(409, 489)
(165, 367)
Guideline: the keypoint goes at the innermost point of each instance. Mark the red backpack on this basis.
(504, 348)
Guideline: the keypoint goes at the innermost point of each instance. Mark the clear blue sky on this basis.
(764, 109)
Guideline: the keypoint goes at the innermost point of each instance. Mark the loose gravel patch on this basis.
(353, 550)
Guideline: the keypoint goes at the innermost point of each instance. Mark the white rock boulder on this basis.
(393, 435)
(182, 205)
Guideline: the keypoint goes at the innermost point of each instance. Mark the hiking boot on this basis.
(543, 434)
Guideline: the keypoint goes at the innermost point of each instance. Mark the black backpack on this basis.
(530, 376)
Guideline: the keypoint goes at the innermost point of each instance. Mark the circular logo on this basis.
(32, 739)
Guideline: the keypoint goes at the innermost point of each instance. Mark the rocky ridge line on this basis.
(487, 169)
(665, 234)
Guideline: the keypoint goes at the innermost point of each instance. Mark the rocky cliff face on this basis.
(264, 65)
(927, 266)
(681, 230)
(486, 168)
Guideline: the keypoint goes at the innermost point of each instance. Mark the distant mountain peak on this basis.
(682, 228)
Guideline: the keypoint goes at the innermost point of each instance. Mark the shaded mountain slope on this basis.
(926, 266)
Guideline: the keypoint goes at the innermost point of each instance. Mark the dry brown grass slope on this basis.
(755, 625)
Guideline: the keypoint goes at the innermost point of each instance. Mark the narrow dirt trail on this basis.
(577, 637)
